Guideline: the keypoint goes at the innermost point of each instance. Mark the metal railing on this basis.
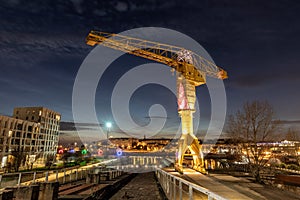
(26, 178)
(176, 188)
(60, 175)
(288, 170)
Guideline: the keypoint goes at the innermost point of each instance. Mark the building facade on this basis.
(32, 132)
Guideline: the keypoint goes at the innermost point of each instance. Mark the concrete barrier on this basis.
(40, 191)
(7, 195)
(48, 191)
(25, 192)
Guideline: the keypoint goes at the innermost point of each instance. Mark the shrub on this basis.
(293, 167)
(282, 165)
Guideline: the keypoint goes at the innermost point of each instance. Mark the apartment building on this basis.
(31, 130)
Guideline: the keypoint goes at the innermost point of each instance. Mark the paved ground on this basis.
(143, 186)
(237, 188)
(254, 190)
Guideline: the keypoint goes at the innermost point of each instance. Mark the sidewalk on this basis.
(237, 188)
(213, 185)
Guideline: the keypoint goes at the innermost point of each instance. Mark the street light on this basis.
(108, 126)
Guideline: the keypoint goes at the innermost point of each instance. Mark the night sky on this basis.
(42, 45)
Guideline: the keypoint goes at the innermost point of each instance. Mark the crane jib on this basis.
(192, 66)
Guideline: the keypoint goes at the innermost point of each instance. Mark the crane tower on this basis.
(191, 71)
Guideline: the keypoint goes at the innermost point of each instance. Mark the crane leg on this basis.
(186, 103)
(182, 147)
(195, 148)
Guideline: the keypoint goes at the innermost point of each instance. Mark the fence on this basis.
(288, 170)
(62, 176)
(26, 178)
(176, 188)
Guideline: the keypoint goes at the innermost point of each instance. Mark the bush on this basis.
(293, 167)
(282, 165)
(83, 163)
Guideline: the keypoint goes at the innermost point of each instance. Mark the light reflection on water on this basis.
(140, 164)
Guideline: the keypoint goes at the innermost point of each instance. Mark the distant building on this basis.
(149, 144)
(124, 143)
(33, 131)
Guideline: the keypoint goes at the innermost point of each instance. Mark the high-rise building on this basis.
(33, 131)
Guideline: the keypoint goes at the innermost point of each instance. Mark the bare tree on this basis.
(250, 127)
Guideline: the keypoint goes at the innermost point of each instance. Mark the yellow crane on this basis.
(191, 69)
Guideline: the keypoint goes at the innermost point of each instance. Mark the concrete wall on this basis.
(41, 191)
(25, 192)
(6, 195)
(48, 191)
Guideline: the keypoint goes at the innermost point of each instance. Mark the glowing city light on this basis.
(119, 152)
(83, 151)
(108, 124)
(71, 151)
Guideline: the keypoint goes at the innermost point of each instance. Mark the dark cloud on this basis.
(295, 122)
(264, 77)
(70, 126)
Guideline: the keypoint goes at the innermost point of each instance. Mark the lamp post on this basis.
(108, 126)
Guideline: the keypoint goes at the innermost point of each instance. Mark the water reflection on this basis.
(140, 164)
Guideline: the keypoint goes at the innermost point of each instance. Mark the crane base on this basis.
(179, 169)
(201, 170)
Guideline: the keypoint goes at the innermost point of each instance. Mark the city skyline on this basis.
(256, 43)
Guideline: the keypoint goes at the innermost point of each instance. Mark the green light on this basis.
(84, 151)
